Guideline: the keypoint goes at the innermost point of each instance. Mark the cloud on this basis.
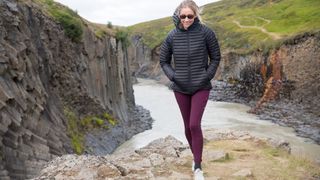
(125, 12)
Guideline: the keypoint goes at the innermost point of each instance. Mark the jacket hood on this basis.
(177, 22)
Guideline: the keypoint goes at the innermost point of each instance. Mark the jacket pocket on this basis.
(180, 81)
(204, 79)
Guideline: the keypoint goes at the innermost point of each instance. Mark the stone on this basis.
(156, 159)
(13, 115)
(186, 153)
(214, 155)
(105, 171)
(23, 156)
(4, 95)
(3, 173)
(243, 173)
(12, 6)
(281, 144)
(169, 147)
(3, 129)
(10, 143)
(134, 167)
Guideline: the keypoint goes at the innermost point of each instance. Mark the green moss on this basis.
(69, 19)
(97, 121)
(76, 128)
(74, 131)
(77, 144)
(100, 33)
(86, 122)
(110, 119)
(91, 122)
(122, 35)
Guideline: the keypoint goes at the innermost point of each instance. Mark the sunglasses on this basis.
(189, 16)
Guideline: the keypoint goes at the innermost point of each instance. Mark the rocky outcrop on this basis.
(227, 155)
(42, 74)
(280, 86)
(144, 62)
(299, 83)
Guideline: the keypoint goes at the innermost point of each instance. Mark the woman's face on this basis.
(186, 17)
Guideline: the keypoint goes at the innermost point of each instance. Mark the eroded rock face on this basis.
(144, 62)
(297, 61)
(43, 72)
(285, 92)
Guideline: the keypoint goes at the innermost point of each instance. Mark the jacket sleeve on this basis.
(214, 53)
(166, 57)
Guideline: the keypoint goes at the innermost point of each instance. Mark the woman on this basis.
(191, 44)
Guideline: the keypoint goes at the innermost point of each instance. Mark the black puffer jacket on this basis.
(190, 49)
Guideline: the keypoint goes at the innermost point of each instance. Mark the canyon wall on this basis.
(44, 75)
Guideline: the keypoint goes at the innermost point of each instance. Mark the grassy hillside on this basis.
(246, 25)
(70, 20)
(153, 32)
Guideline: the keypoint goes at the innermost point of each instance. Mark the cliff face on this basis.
(295, 65)
(44, 74)
(144, 62)
(281, 85)
(301, 64)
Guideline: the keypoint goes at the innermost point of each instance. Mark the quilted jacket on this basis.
(196, 56)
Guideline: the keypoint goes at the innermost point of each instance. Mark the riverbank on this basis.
(140, 120)
(284, 112)
(227, 155)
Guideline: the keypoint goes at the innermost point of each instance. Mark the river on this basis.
(218, 115)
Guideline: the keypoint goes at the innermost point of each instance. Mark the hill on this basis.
(72, 23)
(245, 25)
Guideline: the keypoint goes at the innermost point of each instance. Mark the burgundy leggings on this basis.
(192, 108)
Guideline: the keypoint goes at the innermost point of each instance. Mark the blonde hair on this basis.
(189, 4)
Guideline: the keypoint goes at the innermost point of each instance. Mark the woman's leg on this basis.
(198, 104)
(184, 102)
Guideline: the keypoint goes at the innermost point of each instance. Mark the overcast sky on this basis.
(125, 12)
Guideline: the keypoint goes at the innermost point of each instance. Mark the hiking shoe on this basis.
(198, 174)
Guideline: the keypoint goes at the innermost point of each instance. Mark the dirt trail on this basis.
(274, 36)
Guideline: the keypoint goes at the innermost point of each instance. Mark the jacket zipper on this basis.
(189, 63)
